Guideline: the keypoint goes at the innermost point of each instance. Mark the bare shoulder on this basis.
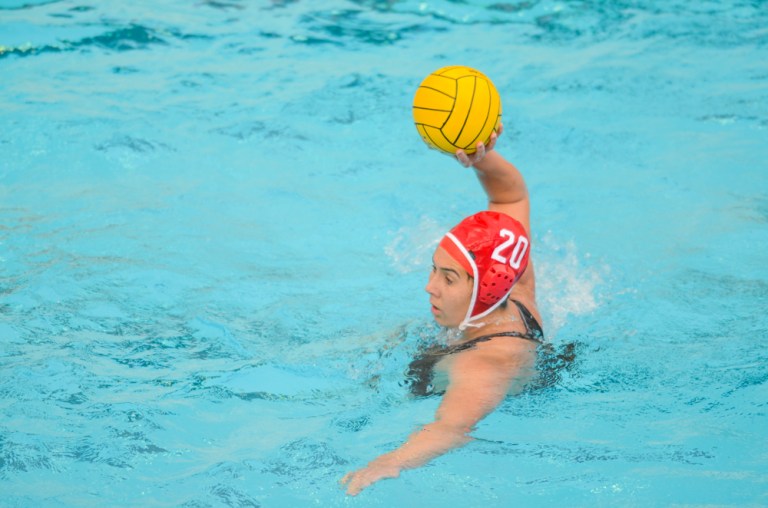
(503, 353)
(524, 292)
(499, 366)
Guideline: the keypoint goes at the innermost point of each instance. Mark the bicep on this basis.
(519, 210)
(477, 385)
(505, 187)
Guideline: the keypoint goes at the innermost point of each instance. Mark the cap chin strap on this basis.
(466, 324)
(468, 258)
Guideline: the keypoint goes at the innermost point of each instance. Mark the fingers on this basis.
(355, 488)
(480, 152)
(492, 141)
(357, 481)
(354, 482)
(468, 160)
(463, 158)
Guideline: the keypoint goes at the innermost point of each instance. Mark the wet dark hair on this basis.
(553, 363)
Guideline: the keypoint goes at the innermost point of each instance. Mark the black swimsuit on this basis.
(420, 370)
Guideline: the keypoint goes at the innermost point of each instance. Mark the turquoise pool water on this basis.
(216, 221)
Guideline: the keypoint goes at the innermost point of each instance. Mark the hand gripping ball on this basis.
(455, 107)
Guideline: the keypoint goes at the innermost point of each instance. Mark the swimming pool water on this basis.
(216, 220)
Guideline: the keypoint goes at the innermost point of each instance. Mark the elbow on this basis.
(457, 430)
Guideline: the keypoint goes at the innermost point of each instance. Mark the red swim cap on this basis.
(493, 248)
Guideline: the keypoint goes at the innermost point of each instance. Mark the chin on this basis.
(444, 323)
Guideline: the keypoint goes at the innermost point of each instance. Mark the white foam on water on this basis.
(567, 282)
(411, 247)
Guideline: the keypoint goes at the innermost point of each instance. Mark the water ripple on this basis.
(16, 457)
(128, 38)
(10, 5)
(304, 456)
(381, 23)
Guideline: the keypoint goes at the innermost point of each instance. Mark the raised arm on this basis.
(507, 193)
(502, 182)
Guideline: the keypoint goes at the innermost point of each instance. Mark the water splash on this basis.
(566, 281)
(411, 247)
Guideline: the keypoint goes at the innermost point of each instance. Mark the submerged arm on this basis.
(479, 380)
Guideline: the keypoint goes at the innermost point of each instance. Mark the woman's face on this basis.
(449, 288)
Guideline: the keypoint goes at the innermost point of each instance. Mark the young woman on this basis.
(482, 283)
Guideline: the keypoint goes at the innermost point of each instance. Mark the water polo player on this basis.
(482, 284)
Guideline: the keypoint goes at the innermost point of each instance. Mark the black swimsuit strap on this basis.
(532, 331)
(532, 327)
(420, 369)
(484, 338)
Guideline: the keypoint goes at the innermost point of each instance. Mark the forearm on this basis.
(478, 383)
(500, 179)
(429, 442)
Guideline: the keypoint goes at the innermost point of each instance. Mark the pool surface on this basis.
(217, 218)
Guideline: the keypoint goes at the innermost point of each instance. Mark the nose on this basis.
(430, 287)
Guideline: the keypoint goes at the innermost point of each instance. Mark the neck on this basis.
(500, 320)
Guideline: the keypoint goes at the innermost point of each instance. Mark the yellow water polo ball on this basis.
(455, 107)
